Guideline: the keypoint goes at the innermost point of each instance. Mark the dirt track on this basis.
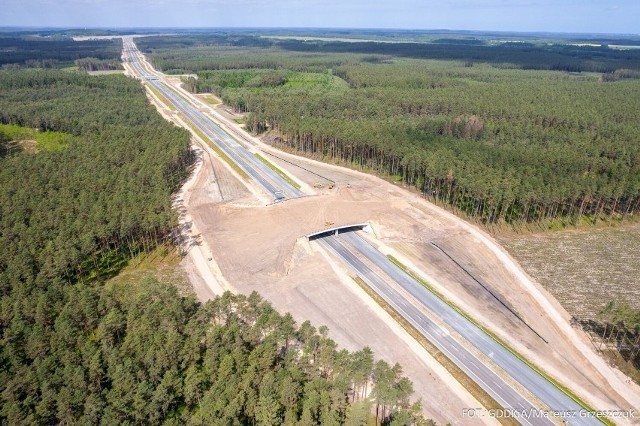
(262, 248)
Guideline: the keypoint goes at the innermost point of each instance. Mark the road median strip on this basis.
(160, 96)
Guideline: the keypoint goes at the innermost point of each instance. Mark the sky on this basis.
(585, 16)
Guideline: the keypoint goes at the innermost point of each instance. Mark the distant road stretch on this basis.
(272, 183)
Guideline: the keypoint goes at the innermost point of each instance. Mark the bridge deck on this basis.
(339, 230)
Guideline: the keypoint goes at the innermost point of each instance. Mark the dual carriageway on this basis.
(273, 184)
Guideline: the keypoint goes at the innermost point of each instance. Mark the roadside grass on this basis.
(472, 387)
(280, 173)
(14, 137)
(160, 96)
(216, 149)
(538, 370)
(209, 98)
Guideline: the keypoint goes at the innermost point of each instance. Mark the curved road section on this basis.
(352, 248)
(272, 183)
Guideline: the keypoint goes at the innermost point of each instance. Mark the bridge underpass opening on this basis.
(340, 230)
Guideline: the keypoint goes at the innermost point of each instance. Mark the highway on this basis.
(272, 183)
(350, 247)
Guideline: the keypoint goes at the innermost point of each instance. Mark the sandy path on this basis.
(202, 271)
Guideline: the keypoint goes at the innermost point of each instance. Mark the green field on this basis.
(14, 138)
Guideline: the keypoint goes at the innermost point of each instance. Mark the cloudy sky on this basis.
(592, 16)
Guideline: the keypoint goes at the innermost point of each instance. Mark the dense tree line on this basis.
(73, 350)
(499, 145)
(143, 354)
(222, 57)
(30, 51)
(120, 182)
(95, 64)
(519, 55)
(618, 326)
(524, 55)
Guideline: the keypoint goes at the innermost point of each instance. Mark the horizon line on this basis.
(264, 28)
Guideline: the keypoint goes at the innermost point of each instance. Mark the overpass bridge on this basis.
(366, 227)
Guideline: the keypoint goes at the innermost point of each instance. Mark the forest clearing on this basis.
(583, 269)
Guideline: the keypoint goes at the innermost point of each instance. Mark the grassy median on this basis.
(216, 149)
(160, 97)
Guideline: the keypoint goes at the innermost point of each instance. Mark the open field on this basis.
(163, 264)
(15, 139)
(583, 269)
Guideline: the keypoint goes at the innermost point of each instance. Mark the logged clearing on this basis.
(583, 269)
(162, 264)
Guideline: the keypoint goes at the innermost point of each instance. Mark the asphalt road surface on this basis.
(272, 183)
(351, 248)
